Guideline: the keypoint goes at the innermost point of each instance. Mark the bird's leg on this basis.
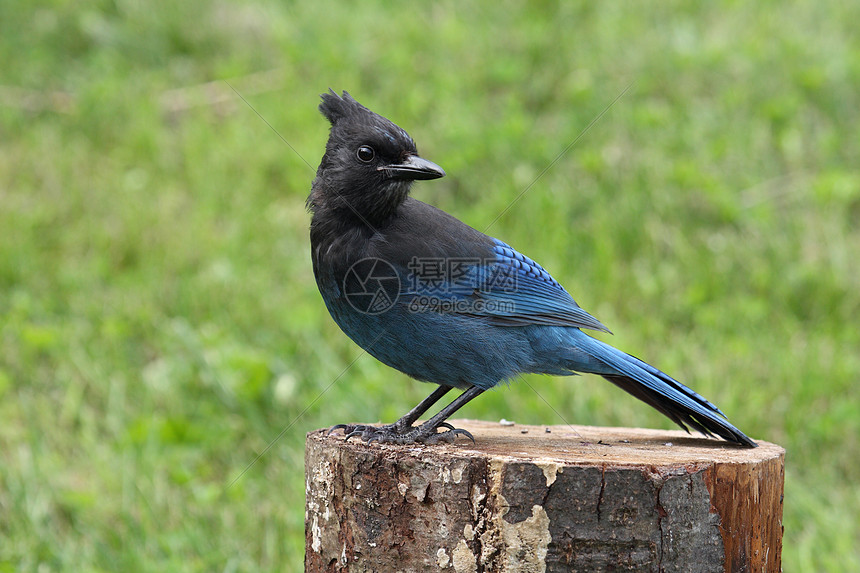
(406, 421)
(427, 432)
(401, 426)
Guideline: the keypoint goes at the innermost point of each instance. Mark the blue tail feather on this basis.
(681, 404)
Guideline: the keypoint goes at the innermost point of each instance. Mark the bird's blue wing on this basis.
(506, 288)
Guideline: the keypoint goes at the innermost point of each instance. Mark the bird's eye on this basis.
(365, 153)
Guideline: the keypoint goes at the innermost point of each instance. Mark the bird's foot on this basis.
(367, 433)
(402, 434)
(448, 436)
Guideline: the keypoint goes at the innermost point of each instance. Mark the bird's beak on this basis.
(413, 168)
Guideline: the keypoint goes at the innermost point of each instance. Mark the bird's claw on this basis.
(352, 435)
(336, 427)
(467, 433)
(449, 436)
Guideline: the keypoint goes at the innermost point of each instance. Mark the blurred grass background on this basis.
(159, 321)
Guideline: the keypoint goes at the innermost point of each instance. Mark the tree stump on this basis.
(537, 498)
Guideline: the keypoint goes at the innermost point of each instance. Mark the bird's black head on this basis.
(369, 163)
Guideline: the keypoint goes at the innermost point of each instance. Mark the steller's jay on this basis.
(442, 302)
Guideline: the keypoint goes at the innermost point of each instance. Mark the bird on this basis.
(444, 303)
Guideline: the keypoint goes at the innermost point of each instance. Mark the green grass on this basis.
(159, 322)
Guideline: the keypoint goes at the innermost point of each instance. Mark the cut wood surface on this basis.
(538, 498)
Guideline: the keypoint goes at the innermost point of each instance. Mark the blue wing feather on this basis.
(509, 289)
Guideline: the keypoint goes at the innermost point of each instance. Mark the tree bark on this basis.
(532, 498)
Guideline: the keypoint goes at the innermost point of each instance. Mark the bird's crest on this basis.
(335, 107)
(344, 110)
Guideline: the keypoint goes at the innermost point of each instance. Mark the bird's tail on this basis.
(679, 403)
